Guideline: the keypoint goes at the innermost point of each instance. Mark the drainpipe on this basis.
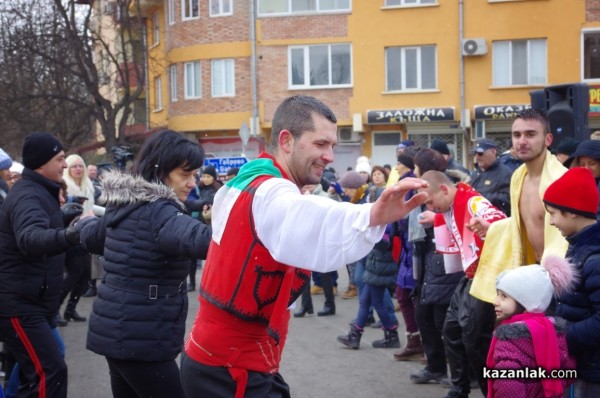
(463, 114)
(254, 121)
(146, 77)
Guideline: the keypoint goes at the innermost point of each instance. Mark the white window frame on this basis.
(173, 82)
(155, 29)
(288, 4)
(171, 17)
(224, 70)
(496, 58)
(189, 3)
(192, 79)
(410, 3)
(403, 69)
(220, 5)
(158, 102)
(306, 67)
(585, 32)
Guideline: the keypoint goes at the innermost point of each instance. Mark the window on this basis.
(173, 82)
(591, 55)
(223, 78)
(158, 105)
(220, 8)
(411, 68)
(189, 9)
(193, 79)
(320, 66)
(269, 7)
(171, 11)
(519, 62)
(390, 3)
(155, 29)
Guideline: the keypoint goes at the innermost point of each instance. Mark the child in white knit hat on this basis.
(526, 342)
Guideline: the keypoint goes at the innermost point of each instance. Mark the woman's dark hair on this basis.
(428, 159)
(164, 152)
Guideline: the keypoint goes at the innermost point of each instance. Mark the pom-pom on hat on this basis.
(575, 192)
(5, 160)
(363, 165)
(352, 180)
(38, 149)
(533, 286)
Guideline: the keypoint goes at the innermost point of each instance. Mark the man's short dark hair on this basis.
(295, 114)
(535, 114)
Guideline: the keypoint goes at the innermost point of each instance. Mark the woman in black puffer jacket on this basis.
(147, 240)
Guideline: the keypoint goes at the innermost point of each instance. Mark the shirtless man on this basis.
(527, 236)
(531, 138)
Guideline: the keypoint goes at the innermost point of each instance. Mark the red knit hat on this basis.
(575, 192)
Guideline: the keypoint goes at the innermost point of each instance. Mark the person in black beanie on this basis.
(33, 242)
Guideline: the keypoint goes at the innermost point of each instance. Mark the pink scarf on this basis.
(545, 347)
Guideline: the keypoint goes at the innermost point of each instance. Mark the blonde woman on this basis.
(78, 260)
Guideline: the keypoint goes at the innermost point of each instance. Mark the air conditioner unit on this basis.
(473, 47)
(346, 134)
(109, 8)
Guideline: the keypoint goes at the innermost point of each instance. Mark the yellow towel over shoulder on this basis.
(503, 247)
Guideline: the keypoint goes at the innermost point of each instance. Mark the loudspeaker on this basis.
(567, 107)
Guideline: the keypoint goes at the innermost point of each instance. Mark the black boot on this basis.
(329, 306)
(71, 314)
(352, 339)
(303, 311)
(91, 290)
(60, 321)
(327, 310)
(390, 340)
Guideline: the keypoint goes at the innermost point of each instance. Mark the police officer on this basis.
(491, 178)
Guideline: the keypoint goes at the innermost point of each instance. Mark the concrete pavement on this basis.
(314, 364)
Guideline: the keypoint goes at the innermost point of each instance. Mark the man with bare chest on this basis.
(527, 236)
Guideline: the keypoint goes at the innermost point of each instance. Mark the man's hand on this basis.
(426, 217)
(479, 226)
(70, 211)
(391, 205)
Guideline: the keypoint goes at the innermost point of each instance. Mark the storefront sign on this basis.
(224, 164)
(594, 100)
(418, 115)
(498, 112)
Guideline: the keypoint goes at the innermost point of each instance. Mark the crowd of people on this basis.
(494, 269)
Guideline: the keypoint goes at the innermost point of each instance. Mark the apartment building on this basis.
(390, 69)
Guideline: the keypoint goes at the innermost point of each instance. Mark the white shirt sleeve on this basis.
(309, 231)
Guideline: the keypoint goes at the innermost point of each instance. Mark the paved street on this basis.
(315, 365)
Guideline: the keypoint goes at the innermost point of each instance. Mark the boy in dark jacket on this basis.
(572, 201)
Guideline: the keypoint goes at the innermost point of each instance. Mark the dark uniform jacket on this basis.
(494, 185)
(32, 247)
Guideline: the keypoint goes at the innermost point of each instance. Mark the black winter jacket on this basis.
(581, 307)
(434, 286)
(380, 267)
(494, 185)
(147, 241)
(32, 248)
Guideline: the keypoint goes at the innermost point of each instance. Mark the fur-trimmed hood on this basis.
(121, 189)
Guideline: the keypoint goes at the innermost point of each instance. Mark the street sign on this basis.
(224, 164)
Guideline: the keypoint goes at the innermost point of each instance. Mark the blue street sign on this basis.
(224, 164)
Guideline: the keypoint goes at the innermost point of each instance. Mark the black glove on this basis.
(79, 199)
(70, 211)
(72, 236)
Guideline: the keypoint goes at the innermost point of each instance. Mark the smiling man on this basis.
(32, 247)
(267, 237)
